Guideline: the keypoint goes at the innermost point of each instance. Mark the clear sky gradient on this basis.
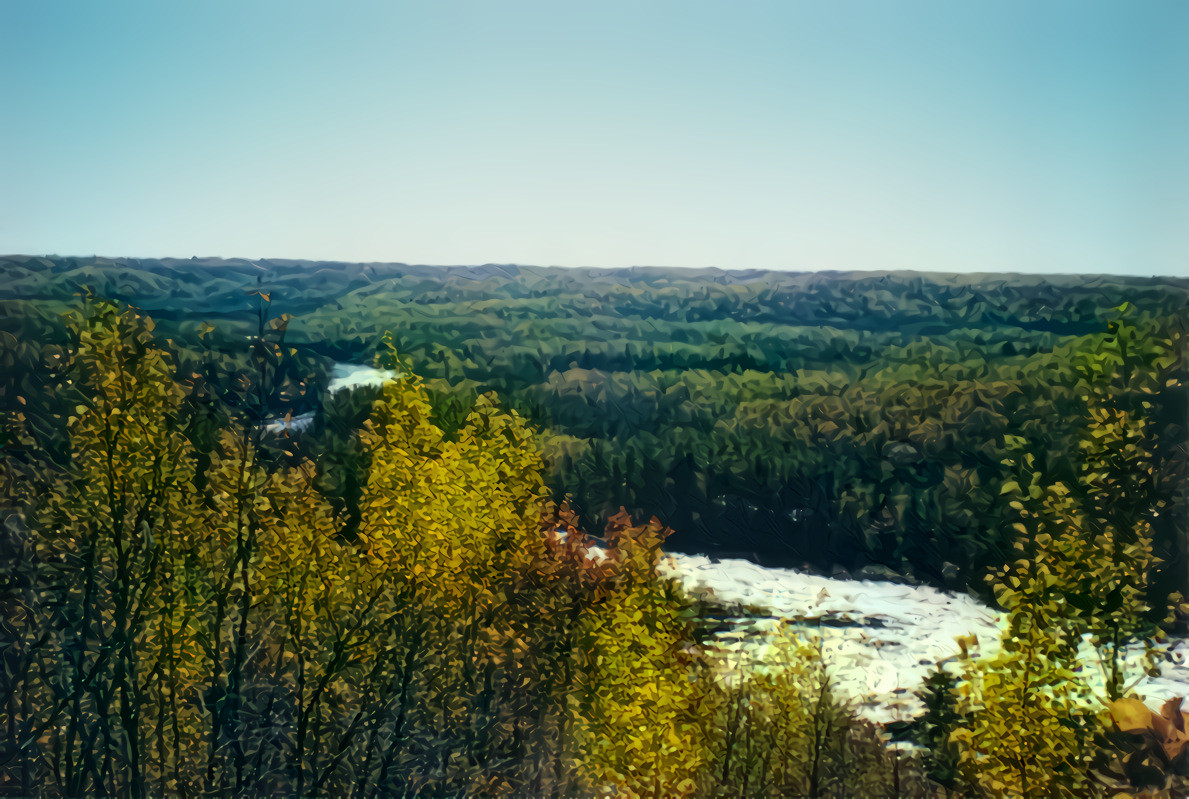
(952, 136)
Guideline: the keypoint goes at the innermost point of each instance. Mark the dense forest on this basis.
(403, 598)
(830, 421)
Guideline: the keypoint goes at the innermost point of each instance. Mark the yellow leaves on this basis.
(1015, 740)
(454, 508)
(1130, 715)
(1030, 722)
(640, 730)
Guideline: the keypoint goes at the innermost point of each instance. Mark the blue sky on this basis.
(949, 136)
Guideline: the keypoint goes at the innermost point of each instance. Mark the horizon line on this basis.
(705, 268)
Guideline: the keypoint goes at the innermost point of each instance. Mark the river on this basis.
(879, 639)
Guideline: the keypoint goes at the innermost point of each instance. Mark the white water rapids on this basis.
(880, 640)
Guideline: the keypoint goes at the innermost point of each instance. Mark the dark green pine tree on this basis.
(932, 729)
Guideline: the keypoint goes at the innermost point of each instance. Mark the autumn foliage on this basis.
(189, 615)
(194, 605)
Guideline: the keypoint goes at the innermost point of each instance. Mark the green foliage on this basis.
(829, 420)
(179, 635)
(1032, 725)
(1028, 731)
(782, 730)
(201, 605)
(1029, 727)
(188, 616)
(933, 730)
(109, 543)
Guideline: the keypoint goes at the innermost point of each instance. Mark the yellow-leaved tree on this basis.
(110, 541)
(1029, 724)
(639, 725)
(1034, 722)
(199, 621)
(454, 521)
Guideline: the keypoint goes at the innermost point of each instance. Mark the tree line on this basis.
(844, 422)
